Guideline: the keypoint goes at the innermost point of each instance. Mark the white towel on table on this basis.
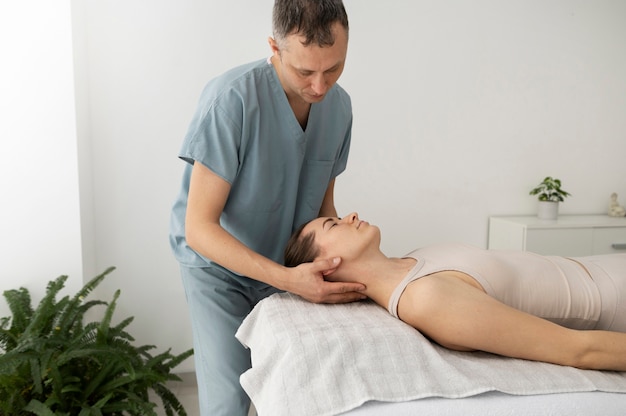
(310, 359)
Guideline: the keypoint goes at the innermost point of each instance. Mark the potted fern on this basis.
(549, 194)
(52, 363)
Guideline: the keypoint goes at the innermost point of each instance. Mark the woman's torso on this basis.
(554, 288)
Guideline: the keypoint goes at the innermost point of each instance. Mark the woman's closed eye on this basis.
(325, 225)
(331, 221)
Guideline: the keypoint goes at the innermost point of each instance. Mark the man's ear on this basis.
(273, 46)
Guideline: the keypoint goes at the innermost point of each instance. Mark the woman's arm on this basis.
(460, 316)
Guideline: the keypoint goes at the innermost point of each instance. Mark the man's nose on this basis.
(319, 85)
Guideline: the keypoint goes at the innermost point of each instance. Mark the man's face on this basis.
(308, 72)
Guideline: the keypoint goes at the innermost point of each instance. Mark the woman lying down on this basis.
(517, 304)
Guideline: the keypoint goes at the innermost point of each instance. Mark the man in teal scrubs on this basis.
(262, 151)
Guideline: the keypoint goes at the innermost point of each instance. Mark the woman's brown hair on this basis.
(301, 248)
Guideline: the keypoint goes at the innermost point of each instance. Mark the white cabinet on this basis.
(569, 235)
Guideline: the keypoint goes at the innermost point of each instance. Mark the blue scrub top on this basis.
(245, 131)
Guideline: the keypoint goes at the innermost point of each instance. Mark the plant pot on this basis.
(548, 210)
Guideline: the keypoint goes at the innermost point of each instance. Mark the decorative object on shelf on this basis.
(549, 194)
(615, 209)
(53, 363)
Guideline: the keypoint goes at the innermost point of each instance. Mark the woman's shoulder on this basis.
(443, 249)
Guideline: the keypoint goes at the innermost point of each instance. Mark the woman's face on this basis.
(346, 237)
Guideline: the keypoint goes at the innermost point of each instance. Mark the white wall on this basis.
(144, 64)
(460, 109)
(39, 209)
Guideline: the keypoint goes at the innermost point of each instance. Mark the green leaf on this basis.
(549, 190)
(19, 302)
(38, 408)
(169, 400)
(103, 328)
(75, 309)
(35, 371)
(103, 401)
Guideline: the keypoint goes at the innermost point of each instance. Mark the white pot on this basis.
(548, 210)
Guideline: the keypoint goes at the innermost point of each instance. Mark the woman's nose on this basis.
(352, 217)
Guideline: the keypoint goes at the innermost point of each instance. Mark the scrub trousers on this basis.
(218, 303)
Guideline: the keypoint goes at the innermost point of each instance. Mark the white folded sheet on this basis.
(310, 359)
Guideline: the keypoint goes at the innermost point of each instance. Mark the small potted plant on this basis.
(549, 194)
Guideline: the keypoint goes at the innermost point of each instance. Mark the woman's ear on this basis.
(335, 264)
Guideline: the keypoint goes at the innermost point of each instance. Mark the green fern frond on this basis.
(103, 328)
(56, 383)
(92, 284)
(90, 411)
(175, 361)
(38, 408)
(87, 335)
(170, 402)
(124, 323)
(118, 330)
(143, 350)
(75, 310)
(96, 383)
(19, 302)
(88, 305)
(95, 410)
(43, 316)
(36, 374)
(8, 340)
(13, 359)
(133, 404)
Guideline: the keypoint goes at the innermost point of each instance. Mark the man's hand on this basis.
(307, 280)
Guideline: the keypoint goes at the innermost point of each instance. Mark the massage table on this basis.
(355, 359)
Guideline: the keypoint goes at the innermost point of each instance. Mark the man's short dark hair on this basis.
(312, 19)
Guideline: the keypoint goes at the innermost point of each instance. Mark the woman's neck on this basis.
(380, 275)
